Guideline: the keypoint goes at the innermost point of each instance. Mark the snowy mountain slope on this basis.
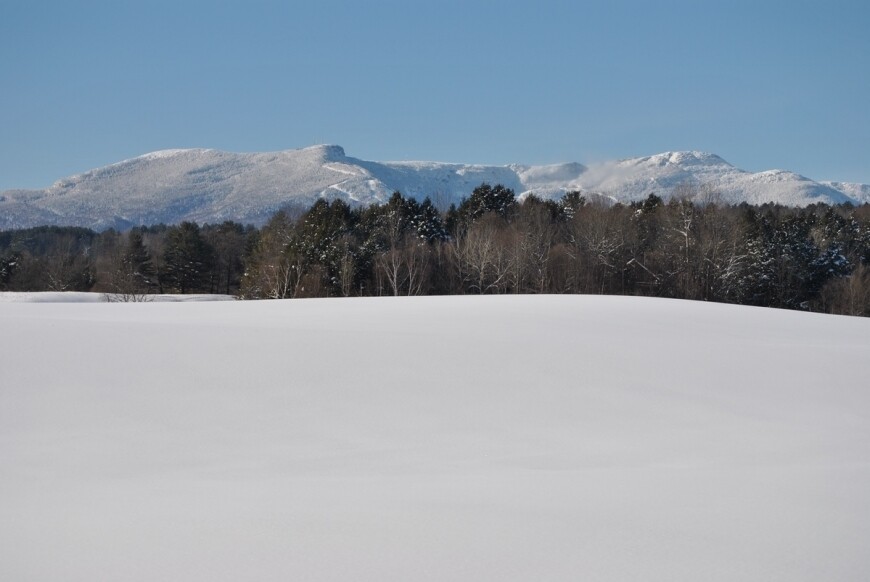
(211, 186)
(635, 178)
(500, 438)
(858, 192)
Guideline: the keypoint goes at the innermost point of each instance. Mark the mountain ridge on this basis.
(209, 185)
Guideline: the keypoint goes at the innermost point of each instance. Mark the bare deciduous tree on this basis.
(848, 295)
(276, 270)
(482, 257)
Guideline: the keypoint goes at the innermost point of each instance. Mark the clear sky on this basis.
(763, 84)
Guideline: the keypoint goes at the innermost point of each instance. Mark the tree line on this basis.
(690, 247)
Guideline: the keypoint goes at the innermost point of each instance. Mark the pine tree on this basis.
(8, 264)
(427, 222)
(188, 259)
(571, 202)
(321, 239)
(486, 198)
(137, 263)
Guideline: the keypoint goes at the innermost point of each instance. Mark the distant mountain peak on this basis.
(683, 158)
(328, 151)
(208, 185)
(164, 154)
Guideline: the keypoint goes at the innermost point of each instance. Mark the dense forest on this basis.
(691, 247)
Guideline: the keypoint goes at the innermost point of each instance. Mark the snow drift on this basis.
(442, 438)
(205, 185)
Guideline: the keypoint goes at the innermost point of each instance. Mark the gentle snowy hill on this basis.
(213, 186)
(445, 438)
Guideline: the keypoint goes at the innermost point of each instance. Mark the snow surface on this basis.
(206, 185)
(443, 438)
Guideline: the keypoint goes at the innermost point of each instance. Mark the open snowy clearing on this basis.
(445, 438)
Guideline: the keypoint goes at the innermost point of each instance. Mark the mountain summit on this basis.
(206, 185)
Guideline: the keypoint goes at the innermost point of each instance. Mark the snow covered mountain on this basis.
(207, 185)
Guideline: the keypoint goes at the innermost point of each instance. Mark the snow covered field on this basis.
(463, 438)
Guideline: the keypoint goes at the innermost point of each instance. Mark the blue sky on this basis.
(763, 84)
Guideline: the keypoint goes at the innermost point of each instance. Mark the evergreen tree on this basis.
(486, 198)
(230, 241)
(188, 259)
(427, 223)
(321, 239)
(137, 261)
(8, 264)
(570, 203)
